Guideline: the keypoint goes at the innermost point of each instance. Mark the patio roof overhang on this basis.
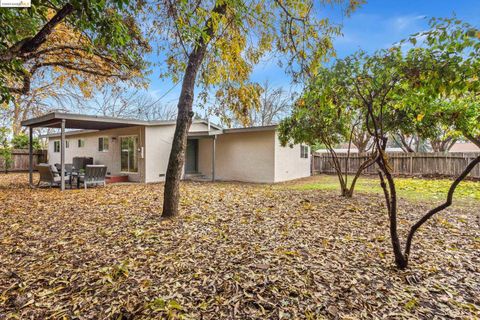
(80, 121)
(95, 123)
(204, 134)
(72, 121)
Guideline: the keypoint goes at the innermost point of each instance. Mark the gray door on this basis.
(191, 156)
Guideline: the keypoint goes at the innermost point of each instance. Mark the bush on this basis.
(20, 141)
(5, 150)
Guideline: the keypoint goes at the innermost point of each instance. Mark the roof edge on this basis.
(86, 117)
(251, 129)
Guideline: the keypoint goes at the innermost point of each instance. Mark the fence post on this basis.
(411, 164)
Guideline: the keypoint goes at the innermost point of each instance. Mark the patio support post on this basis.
(62, 156)
(213, 156)
(30, 156)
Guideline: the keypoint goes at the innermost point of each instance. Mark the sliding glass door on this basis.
(128, 155)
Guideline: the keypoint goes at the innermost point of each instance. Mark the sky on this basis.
(375, 25)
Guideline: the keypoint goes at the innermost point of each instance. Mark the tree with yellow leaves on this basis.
(216, 43)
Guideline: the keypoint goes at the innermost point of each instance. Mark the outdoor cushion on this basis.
(54, 170)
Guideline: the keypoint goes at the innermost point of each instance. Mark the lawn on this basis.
(415, 189)
(237, 251)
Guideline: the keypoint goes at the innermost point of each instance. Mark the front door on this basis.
(191, 156)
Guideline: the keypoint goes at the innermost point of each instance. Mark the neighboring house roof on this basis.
(464, 147)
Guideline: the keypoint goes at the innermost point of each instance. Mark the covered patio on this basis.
(64, 121)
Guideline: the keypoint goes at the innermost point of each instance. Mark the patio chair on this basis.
(79, 163)
(94, 174)
(47, 175)
(68, 168)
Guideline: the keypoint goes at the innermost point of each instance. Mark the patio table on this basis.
(76, 176)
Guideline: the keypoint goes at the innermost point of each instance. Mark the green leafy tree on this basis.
(377, 82)
(21, 141)
(328, 114)
(444, 68)
(5, 149)
(216, 44)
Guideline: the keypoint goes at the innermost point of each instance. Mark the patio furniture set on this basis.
(80, 172)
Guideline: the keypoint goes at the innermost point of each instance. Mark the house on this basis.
(464, 146)
(141, 149)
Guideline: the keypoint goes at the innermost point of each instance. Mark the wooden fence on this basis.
(20, 159)
(410, 164)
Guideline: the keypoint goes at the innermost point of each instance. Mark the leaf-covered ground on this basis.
(237, 251)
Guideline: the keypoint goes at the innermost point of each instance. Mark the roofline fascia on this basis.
(75, 116)
(251, 129)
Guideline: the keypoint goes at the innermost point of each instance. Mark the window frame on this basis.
(303, 151)
(56, 146)
(102, 149)
(136, 139)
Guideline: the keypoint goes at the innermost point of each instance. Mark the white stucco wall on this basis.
(288, 163)
(158, 142)
(242, 156)
(110, 158)
(158, 146)
(252, 157)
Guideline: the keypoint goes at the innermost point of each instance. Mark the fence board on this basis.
(20, 159)
(410, 164)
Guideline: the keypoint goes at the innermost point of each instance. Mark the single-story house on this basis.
(141, 149)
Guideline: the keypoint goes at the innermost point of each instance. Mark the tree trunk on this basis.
(338, 170)
(441, 207)
(442, 145)
(171, 195)
(367, 163)
(391, 200)
(405, 145)
(16, 121)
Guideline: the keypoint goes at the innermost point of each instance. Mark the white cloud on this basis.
(402, 23)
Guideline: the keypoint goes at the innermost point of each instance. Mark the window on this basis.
(81, 143)
(67, 144)
(128, 154)
(303, 151)
(103, 144)
(56, 146)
